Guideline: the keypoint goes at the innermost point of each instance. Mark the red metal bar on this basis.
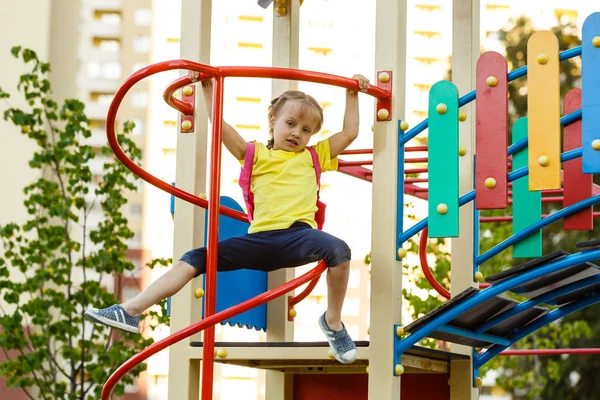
(549, 352)
(344, 163)
(422, 189)
(293, 300)
(357, 151)
(546, 200)
(415, 170)
(116, 148)
(205, 323)
(425, 266)
(416, 180)
(210, 299)
(415, 160)
(415, 148)
(260, 72)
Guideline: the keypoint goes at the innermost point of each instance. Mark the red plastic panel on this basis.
(190, 99)
(384, 103)
(356, 387)
(577, 185)
(491, 131)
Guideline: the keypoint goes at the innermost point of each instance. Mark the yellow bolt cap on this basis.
(441, 108)
(462, 151)
(330, 354)
(544, 161)
(187, 90)
(186, 125)
(372, 128)
(282, 10)
(399, 331)
(199, 293)
(462, 116)
(222, 353)
(491, 81)
(490, 183)
(403, 126)
(399, 369)
(384, 77)
(368, 331)
(293, 313)
(202, 196)
(442, 208)
(367, 369)
(478, 382)
(596, 41)
(542, 59)
(596, 144)
(401, 253)
(383, 114)
(478, 276)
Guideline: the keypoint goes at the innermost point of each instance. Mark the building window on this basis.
(111, 70)
(107, 17)
(108, 45)
(141, 44)
(137, 66)
(142, 16)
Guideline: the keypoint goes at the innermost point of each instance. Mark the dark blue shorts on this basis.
(298, 245)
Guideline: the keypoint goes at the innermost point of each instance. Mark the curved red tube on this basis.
(292, 301)
(261, 72)
(205, 323)
(116, 148)
(425, 266)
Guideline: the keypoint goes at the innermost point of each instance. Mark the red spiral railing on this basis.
(214, 208)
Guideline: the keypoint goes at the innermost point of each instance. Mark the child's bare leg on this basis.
(165, 286)
(337, 283)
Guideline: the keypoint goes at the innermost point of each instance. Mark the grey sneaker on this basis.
(115, 317)
(342, 346)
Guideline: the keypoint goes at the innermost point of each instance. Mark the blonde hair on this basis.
(277, 105)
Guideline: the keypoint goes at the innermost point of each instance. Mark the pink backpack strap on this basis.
(315, 160)
(245, 179)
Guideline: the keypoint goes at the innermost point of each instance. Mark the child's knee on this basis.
(340, 255)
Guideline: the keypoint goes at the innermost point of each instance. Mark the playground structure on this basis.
(473, 318)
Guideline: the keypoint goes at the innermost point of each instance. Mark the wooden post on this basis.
(386, 274)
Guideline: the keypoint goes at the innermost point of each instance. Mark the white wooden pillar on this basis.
(286, 34)
(184, 372)
(386, 273)
(465, 53)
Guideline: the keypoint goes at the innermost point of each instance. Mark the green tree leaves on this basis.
(56, 264)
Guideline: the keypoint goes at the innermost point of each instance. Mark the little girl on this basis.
(283, 231)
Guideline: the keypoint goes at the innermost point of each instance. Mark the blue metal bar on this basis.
(452, 330)
(400, 190)
(464, 199)
(564, 121)
(469, 97)
(565, 212)
(458, 309)
(537, 324)
(545, 298)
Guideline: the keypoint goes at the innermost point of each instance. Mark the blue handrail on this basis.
(430, 326)
(469, 97)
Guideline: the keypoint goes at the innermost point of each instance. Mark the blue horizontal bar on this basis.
(482, 337)
(469, 97)
(466, 198)
(478, 298)
(545, 298)
(564, 121)
(537, 324)
(531, 229)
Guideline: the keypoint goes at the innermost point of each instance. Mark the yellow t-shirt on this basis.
(284, 185)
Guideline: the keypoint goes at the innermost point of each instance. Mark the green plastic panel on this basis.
(443, 160)
(527, 205)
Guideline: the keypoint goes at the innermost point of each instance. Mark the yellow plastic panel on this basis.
(543, 102)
